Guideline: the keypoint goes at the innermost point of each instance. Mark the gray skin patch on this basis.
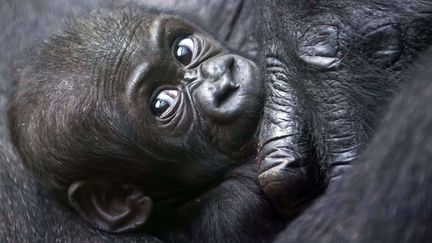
(319, 47)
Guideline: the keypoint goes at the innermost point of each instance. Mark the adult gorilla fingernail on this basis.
(285, 186)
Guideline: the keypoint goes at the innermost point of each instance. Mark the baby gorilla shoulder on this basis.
(142, 120)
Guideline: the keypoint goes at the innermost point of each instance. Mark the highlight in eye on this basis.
(164, 102)
(183, 50)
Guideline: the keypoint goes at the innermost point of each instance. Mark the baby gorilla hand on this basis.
(288, 170)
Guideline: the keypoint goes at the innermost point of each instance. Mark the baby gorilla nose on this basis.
(220, 72)
(227, 83)
(225, 86)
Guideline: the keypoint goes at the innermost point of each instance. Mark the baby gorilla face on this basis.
(132, 113)
(191, 88)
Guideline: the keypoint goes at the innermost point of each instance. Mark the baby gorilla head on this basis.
(132, 113)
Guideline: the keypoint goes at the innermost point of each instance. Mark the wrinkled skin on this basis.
(330, 70)
(140, 136)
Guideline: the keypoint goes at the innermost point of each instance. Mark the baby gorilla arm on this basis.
(234, 211)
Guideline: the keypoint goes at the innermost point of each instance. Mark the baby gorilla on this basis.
(141, 120)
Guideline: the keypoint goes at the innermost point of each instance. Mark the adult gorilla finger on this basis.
(289, 171)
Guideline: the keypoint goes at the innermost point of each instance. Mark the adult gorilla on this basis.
(331, 67)
(385, 197)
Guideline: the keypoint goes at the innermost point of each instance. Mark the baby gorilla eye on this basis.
(164, 102)
(183, 50)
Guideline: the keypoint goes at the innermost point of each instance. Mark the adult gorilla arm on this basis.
(330, 69)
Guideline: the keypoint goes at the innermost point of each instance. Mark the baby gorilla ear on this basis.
(110, 206)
